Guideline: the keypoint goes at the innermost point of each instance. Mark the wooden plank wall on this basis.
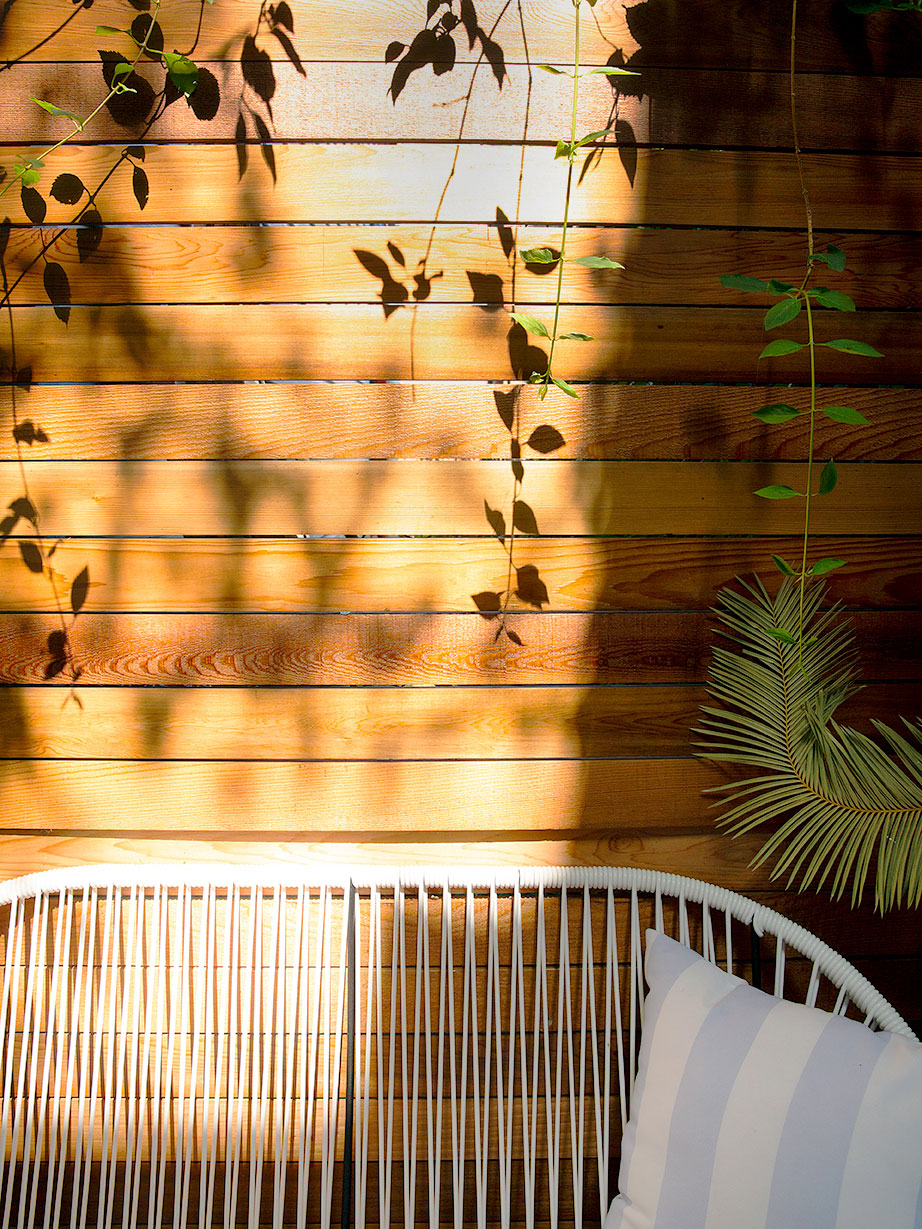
(286, 387)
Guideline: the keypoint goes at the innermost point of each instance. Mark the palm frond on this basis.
(844, 805)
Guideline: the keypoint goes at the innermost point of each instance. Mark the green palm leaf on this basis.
(843, 806)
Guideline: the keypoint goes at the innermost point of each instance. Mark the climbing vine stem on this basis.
(793, 300)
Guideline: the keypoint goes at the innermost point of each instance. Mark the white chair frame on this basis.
(199, 1045)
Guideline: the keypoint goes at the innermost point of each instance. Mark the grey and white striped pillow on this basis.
(751, 1112)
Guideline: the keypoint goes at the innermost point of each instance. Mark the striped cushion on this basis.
(755, 1113)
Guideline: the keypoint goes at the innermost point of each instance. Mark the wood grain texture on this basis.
(306, 498)
(397, 801)
(451, 419)
(659, 34)
(318, 264)
(435, 341)
(404, 182)
(480, 723)
(399, 650)
(200, 576)
(704, 855)
(671, 106)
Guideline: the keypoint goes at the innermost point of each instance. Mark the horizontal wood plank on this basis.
(730, 107)
(404, 183)
(829, 39)
(451, 419)
(435, 341)
(253, 650)
(394, 801)
(378, 574)
(703, 854)
(318, 264)
(355, 723)
(307, 498)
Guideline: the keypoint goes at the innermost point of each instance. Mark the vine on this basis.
(793, 300)
(844, 806)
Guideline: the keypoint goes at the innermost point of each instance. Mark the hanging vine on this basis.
(845, 806)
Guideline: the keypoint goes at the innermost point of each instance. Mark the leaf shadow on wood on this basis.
(435, 45)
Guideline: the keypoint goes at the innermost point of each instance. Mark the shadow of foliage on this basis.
(394, 293)
(254, 111)
(22, 514)
(435, 45)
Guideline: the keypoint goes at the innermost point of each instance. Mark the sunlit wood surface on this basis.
(269, 396)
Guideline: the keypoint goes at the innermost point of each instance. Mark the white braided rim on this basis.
(621, 878)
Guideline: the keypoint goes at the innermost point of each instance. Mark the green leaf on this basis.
(29, 171)
(777, 491)
(558, 72)
(53, 110)
(565, 387)
(776, 287)
(848, 346)
(740, 281)
(782, 313)
(783, 566)
(836, 299)
(575, 337)
(182, 72)
(614, 72)
(781, 346)
(778, 633)
(775, 413)
(564, 149)
(822, 566)
(845, 413)
(538, 256)
(598, 262)
(102, 31)
(594, 136)
(835, 258)
(828, 478)
(122, 69)
(530, 324)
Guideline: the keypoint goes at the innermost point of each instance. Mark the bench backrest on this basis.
(211, 1046)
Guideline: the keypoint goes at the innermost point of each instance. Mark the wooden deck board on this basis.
(403, 183)
(446, 497)
(440, 419)
(338, 724)
(400, 650)
(214, 575)
(320, 264)
(194, 342)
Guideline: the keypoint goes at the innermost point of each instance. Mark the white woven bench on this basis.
(220, 1046)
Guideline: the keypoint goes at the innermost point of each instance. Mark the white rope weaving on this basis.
(204, 1047)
